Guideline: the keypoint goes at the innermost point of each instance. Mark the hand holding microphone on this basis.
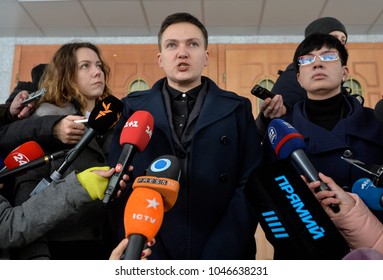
(134, 137)
(152, 195)
(334, 196)
(288, 143)
(103, 117)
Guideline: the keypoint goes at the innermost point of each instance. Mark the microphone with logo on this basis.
(15, 170)
(152, 195)
(20, 157)
(103, 117)
(134, 137)
(371, 195)
(293, 220)
(288, 143)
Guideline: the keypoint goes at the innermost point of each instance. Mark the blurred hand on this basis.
(67, 131)
(95, 181)
(336, 196)
(120, 249)
(19, 111)
(273, 108)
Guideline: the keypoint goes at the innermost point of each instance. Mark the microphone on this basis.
(163, 176)
(288, 143)
(293, 220)
(159, 189)
(103, 117)
(372, 169)
(143, 217)
(21, 156)
(134, 137)
(33, 164)
(369, 193)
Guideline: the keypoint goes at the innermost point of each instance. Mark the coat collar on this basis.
(353, 125)
(218, 104)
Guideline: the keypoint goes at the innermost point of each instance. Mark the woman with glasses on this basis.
(334, 125)
(287, 89)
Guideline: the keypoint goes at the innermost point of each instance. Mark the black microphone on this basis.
(134, 137)
(153, 194)
(103, 117)
(371, 195)
(293, 220)
(33, 164)
(288, 143)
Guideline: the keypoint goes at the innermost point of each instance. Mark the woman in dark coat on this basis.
(333, 124)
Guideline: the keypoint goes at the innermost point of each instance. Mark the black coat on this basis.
(358, 136)
(211, 218)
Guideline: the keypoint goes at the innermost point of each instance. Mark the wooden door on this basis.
(366, 67)
(249, 65)
(128, 63)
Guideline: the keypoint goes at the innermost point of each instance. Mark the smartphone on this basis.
(34, 96)
(261, 92)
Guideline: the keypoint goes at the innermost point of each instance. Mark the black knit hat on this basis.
(325, 25)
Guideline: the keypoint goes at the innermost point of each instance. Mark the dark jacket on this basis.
(5, 115)
(211, 218)
(37, 129)
(358, 136)
(287, 85)
(89, 222)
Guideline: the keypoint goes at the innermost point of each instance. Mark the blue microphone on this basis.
(371, 195)
(288, 143)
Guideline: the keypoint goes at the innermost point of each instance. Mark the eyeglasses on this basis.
(325, 56)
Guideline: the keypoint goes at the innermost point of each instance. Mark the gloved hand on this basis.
(94, 184)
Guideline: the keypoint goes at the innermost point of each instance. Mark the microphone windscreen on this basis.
(23, 154)
(138, 130)
(292, 218)
(378, 111)
(105, 114)
(144, 213)
(162, 176)
(284, 138)
(166, 166)
(370, 194)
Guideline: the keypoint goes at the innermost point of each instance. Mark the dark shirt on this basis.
(326, 113)
(182, 103)
(184, 112)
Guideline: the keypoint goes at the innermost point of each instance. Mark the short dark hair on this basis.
(181, 17)
(315, 42)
